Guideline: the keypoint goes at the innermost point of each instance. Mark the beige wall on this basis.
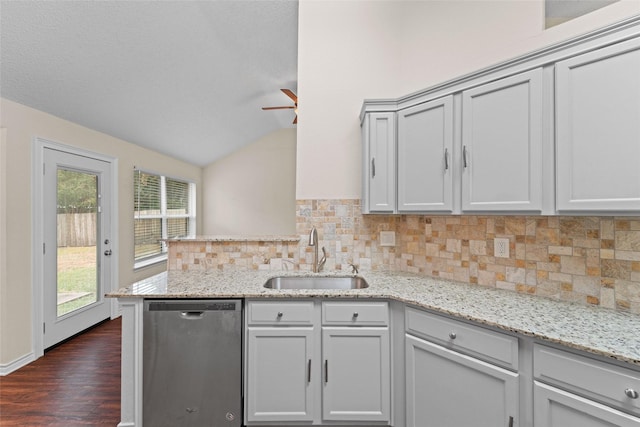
(252, 191)
(3, 230)
(23, 124)
(387, 49)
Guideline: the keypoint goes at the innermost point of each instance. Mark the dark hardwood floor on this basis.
(75, 384)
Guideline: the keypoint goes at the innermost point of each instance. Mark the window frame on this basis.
(163, 216)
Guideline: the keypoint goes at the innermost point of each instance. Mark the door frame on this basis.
(37, 217)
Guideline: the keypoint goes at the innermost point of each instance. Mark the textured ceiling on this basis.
(185, 78)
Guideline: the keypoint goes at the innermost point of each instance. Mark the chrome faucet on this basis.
(313, 241)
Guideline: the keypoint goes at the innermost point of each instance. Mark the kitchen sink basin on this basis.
(312, 282)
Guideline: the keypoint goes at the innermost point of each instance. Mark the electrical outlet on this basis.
(387, 238)
(501, 248)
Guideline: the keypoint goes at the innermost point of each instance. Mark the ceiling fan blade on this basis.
(279, 108)
(290, 95)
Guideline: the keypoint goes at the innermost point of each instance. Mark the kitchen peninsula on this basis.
(605, 337)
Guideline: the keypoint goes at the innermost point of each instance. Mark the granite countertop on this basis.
(597, 330)
(224, 238)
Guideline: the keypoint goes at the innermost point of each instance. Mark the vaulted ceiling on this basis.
(185, 78)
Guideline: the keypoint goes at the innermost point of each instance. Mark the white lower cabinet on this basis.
(317, 362)
(357, 374)
(446, 388)
(558, 408)
(329, 362)
(574, 390)
(279, 370)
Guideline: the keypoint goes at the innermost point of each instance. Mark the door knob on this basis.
(107, 252)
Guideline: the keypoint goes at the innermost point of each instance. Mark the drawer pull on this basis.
(355, 314)
(631, 393)
(280, 314)
(452, 335)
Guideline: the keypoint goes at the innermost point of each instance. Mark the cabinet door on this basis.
(502, 145)
(279, 381)
(425, 143)
(598, 130)
(557, 408)
(448, 389)
(356, 374)
(379, 162)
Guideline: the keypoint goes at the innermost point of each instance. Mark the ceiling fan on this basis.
(294, 107)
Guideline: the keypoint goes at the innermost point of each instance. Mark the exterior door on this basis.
(77, 250)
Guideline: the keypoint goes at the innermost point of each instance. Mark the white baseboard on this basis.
(6, 369)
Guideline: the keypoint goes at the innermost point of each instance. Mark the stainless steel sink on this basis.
(312, 282)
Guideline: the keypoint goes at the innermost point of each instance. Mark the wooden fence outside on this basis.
(77, 229)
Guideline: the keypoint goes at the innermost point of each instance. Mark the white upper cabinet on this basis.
(379, 171)
(425, 149)
(502, 144)
(552, 132)
(598, 130)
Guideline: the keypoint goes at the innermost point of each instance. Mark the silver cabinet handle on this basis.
(510, 421)
(355, 314)
(446, 159)
(464, 156)
(326, 371)
(280, 314)
(373, 167)
(309, 372)
(631, 393)
(452, 335)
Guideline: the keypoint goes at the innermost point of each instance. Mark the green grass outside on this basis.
(76, 274)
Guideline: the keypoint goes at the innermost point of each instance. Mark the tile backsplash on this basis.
(592, 260)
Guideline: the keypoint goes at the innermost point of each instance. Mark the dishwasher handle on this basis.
(192, 315)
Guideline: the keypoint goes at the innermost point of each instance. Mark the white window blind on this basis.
(163, 208)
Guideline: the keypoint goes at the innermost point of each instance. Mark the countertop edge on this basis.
(422, 292)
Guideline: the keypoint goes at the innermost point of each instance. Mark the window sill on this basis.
(148, 262)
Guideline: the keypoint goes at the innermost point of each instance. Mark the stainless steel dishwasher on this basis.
(192, 363)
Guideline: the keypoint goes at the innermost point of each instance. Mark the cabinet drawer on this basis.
(493, 347)
(355, 313)
(588, 377)
(280, 313)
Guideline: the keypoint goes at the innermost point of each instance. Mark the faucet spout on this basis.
(313, 241)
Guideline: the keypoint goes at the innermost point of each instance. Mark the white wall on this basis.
(352, 50)
(22, 125)
(252, 191)
(347, 51)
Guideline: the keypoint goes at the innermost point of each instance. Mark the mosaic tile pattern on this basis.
(225, 254)
(591, 260)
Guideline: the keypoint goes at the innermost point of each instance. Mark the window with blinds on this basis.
(163, 208)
